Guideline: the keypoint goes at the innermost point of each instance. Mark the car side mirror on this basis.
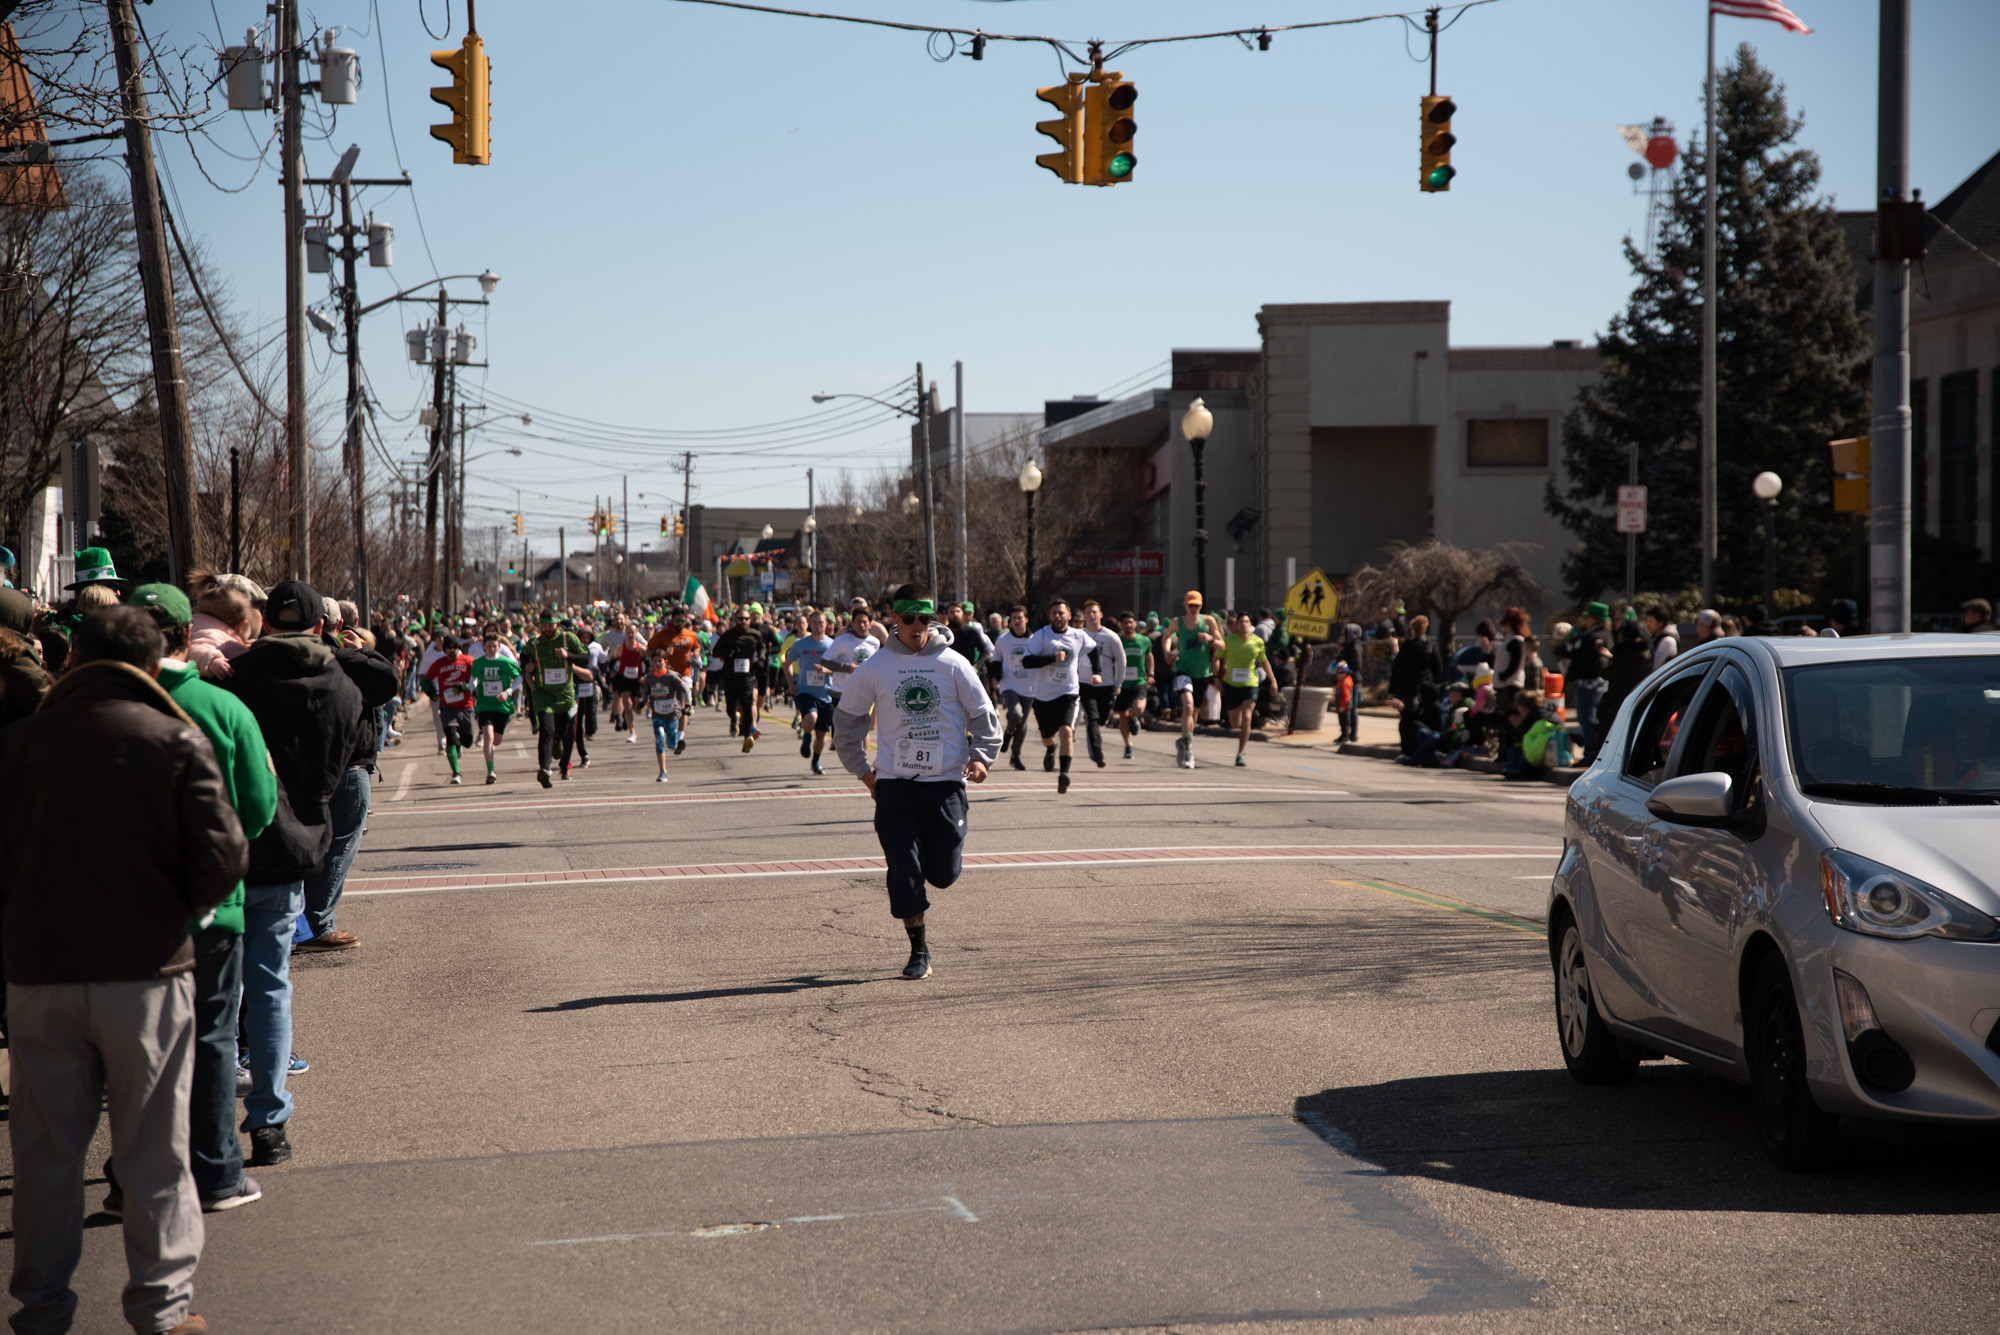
(1693, 799)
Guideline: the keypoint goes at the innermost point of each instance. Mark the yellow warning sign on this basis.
(1307, 628)
(1312, 598)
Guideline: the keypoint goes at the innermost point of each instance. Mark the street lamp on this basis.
(1196, 423)
(488, 281)
(1031, 482)
(767, 532)
(1766, 486)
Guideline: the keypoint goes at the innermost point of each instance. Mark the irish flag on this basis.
(696, 597)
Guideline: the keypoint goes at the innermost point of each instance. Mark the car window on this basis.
(1723, 737)
(1912, 722)
(1659, 724)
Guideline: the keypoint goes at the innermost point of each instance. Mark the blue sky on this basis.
(702, 216)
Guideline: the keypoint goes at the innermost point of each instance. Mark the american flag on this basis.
(1773, 10)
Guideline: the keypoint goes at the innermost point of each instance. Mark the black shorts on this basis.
(1128, 696)
(458, 727)
(821, 710)
(624, 685)
(493, 718)
(1235, 697)
(1052, 716)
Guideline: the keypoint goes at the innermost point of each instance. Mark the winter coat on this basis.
(310, 714)
(1631, 663)
(238, 742)
(1415, 663)
(118, 832)
(23, 680)
(212, 645)
(375, 677)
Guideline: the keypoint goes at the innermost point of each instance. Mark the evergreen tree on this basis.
(1791, 372)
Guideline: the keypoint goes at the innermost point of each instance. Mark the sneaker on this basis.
(661, 777)
(919, 965)
(1128, 753)
(755, 732)
(114, 1202)
(1099, 760)
(246, 1192)
(268, 1146)
(565, 773)
(748, 742)
(491, 777)
(456, 779)
(681, 745)
(816, 768)
(1240, 761)
(542, 776)
(631, 736)
(583, 763)
(1049, 760)
(805, 747)
(298, 1065)
(1062, 783)
(395, 736)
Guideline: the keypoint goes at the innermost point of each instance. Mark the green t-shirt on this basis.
(1240, 656)
(1192, 658)
(551, 678)
(491, 680)
(1138, 657)
(238, 742)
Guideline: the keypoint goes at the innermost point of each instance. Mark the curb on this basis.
(1477, 764)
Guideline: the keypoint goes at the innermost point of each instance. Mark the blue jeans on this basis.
(1582, 698)
(349, 813)
(269, 912)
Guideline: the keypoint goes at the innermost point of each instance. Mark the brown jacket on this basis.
(117, 831)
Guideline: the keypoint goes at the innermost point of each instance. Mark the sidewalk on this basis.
(1378, 739)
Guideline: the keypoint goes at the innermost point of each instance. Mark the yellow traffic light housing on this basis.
(1108, 128)
(520, 524)
(470, 131)
(680, 526)
(1850, 492)
(1066, 130)
(1435, 172)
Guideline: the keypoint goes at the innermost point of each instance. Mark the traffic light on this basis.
(520, 525)
(469, 133)
(1067, 98)
(666, 525)
(1850, 492)
(680, 526)
(1436, 170)
(1108, 129)
(610, 525)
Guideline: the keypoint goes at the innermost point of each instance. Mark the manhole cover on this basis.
(729, 1230)
(429, 866)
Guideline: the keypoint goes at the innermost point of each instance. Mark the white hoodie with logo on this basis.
(931, 714)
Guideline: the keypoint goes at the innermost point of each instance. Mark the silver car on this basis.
(1784, 866)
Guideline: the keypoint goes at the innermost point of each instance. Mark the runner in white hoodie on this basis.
(934, 729)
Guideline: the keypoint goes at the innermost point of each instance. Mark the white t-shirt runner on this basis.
(928, 708)
(1053, 681)
(848, 648)
(1013, 677)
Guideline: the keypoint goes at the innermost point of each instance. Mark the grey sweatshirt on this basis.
(931, 714)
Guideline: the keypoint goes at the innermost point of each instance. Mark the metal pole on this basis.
(1200, 520)
(562, 559)
(1889, 418)
(433, 463)
(235, 508)
(1631, 539)
(1031, 556)
(355, 462)
(812, 545)
(958, 468)
(687, 532)
(625, 522)
(157, 279)
(458, 502)
(1771, 558)
(1711, 164)
(299, 558)
(924, 434)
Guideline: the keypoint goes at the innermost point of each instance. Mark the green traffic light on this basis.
(1121, 165)
(1440, 176)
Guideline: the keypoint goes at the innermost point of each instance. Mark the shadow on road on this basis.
(1676, 1138)
(706, 994)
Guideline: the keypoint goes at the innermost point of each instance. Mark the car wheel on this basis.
(1590, 1050)
(1798, 1135)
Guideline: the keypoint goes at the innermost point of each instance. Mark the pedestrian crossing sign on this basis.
(1312, 598)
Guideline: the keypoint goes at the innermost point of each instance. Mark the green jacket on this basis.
(247, 775)
(555, 652)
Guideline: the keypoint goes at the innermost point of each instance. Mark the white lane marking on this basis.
(844, 791)
(950, 1205)
(403, 784)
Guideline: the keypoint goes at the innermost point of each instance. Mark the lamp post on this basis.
(1031, 482)
(1766, 486)
(1196, 423)
(811, 527)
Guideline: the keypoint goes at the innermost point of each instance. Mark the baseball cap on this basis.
(244, 585)
(293, 604)
(1192, 596)
(168, 604)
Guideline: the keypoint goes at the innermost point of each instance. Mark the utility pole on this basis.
(924, 435)
(235, 508)
(291, 94)
(440, 343)
(687, 532)
(156, 277)
(812, 547)
(625, 523)
(457, 500)
(562, 559)
(1889, 417)
(351, 310)
(958, 467)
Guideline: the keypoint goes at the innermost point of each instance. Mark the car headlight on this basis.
(1865, 896)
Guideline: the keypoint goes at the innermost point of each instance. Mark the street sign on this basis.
(1632, 509)
(1307, 628)
(1313, 598)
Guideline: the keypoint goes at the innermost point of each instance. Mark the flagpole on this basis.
(1711, 162)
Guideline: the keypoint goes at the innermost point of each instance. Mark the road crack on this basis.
(912, 1097)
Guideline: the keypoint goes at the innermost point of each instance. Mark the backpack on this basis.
(1535, 742)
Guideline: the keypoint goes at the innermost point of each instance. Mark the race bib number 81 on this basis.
(919, 757)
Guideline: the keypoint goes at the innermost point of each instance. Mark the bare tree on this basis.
(1442, 581)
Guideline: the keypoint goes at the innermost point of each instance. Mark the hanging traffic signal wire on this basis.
(1258, 36)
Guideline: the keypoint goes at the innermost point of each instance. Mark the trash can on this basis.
(1309, 715)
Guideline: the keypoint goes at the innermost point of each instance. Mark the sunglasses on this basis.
(915, 618)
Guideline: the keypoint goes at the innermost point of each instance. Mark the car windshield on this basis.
(1908, 724)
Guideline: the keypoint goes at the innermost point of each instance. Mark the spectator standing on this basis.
(1583, 670)
(310, 714)
(1631, 661)
(1841, 618)
(215, 1153)
(1416, 662)
(99, 965)
(1977, 614)
(1510, 674)
(1666, 636)
(375, 678)
(23, 679)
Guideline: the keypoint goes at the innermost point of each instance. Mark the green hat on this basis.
(548, 617)
(970, 610)
(1598, 610)
(93, 566)
(168, 604)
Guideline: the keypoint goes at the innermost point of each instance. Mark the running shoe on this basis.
(543, 776)
(246, 1191)
(631, 736)
(456, 779)
(681, 745)
(661, 778)
(1128, 753)
(748, 742)
(1240, 761)
(1049, 760)
(491, 777)
(1099, 760)
(298, 1065)
(816, 768)
(565, 773)
(919, 965)
(1015, 761)
(805, 747)
(1062, 783)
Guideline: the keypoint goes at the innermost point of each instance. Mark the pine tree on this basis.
(1791, 371)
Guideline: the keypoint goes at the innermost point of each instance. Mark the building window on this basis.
(1958, 457)
(1920, 454)
(1507, 442)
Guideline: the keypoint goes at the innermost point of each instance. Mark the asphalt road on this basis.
(1269, 1047)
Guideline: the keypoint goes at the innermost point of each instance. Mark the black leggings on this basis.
(739, 697)
(555, 727)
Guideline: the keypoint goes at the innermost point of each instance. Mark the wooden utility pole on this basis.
(157, 279)
(291, 95)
